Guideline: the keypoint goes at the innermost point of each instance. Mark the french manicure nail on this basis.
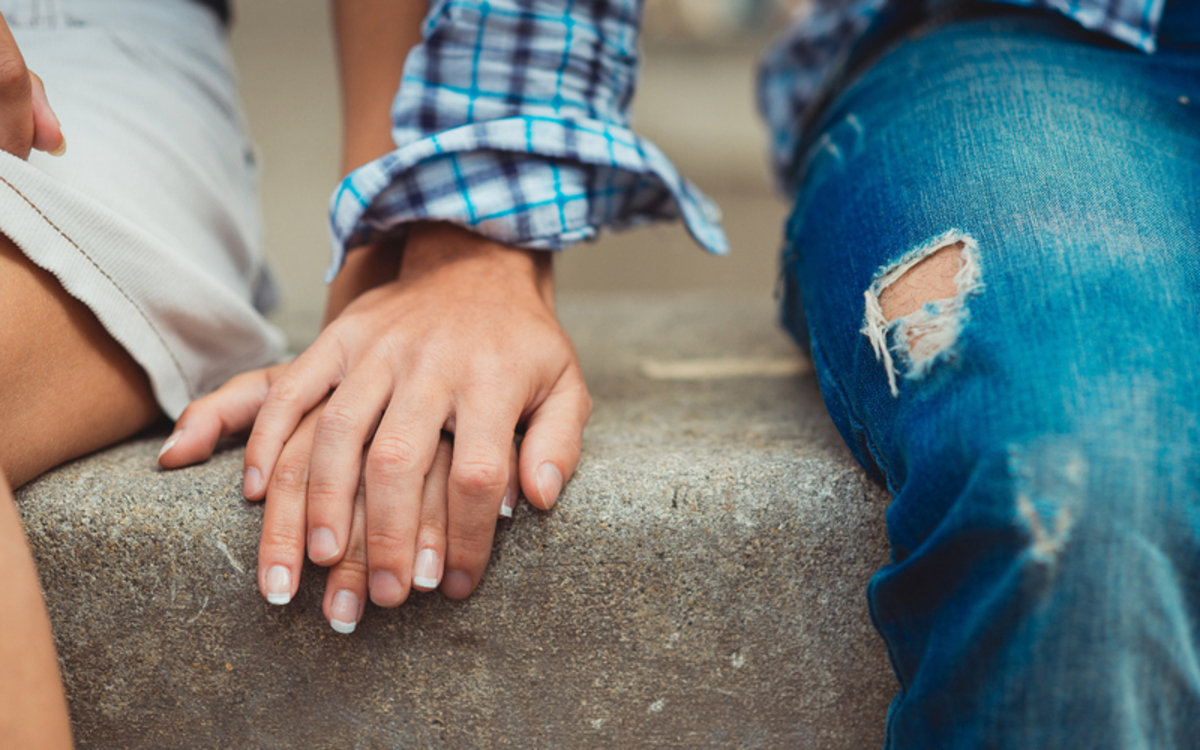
(426, 573)
(344, 612)
(549, 483)
(171, 441)
(279, 585)
(62, 147)
(252, 482)
(385, 588)
(322, 544)
(509, 504)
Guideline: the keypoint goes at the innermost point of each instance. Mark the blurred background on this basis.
(695, 101)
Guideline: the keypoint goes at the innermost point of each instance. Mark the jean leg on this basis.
(1042, 460)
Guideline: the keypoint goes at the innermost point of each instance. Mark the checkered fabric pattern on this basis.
(796, 68)
(512, 119)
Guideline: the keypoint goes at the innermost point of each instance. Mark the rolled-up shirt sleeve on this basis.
(512, 120)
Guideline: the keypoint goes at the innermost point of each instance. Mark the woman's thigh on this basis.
(1031, 399)
(68, 387)
(151, 218)
(135, 261)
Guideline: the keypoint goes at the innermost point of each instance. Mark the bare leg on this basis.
(68, 387)
(33, 710)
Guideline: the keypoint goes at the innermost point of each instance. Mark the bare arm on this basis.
(373, 38)
(33, 709)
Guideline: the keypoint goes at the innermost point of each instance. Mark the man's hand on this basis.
(466, 341)
(26, 120)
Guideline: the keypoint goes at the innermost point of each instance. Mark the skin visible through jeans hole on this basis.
(931, 279)
(920, 300)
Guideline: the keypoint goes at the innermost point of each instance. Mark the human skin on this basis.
(33, 709)
(69, 389)
(454, 335)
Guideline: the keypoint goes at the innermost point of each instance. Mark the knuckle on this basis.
(14, 76)
(351, 567)
(386, 539)
(283, 537)
(326, 489)
(474, 550)
(290, 477)
(391, 457)
(479, 480)
(286, 391)
(433, 527)
(337, 422)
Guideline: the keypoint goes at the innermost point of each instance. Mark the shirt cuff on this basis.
(512, 121)
(532, 182)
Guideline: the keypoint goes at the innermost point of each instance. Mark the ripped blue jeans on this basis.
(1038, 427)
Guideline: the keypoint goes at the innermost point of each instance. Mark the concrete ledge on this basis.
(700, 584)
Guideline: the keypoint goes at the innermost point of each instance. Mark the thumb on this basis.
(553, 440)
(47, 132)
(228, 410)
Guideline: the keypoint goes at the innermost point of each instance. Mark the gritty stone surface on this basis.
(699, 585)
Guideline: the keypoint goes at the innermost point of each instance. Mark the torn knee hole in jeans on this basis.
(920, 302)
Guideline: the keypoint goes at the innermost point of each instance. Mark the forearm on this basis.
(373, 39)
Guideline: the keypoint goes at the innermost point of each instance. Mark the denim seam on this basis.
(855, 421)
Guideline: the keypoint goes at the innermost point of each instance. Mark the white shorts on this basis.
(151, 218)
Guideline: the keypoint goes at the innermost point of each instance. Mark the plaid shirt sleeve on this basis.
(512, 119)
(798, 66)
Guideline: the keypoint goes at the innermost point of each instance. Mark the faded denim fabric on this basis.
(1042, 451)
(806, 59)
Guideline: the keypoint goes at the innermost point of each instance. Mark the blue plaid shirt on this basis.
(512, 119)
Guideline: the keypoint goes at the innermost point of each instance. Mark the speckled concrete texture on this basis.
(700, 584)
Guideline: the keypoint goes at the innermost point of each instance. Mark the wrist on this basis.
(439, 248)
(364, 269)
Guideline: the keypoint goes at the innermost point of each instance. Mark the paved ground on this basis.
(696, 103)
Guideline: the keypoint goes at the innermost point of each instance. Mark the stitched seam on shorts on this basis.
(158, 334)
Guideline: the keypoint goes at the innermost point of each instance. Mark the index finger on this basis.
(302, 386)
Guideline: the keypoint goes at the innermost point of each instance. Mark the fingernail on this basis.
(456, 584)
(509, 504)
(39, 94)
(171, 441)
(344, 612)
(322, 544)
(426, 573)
(385, 588)
(549, 483)
(252, 482)
(279, 585)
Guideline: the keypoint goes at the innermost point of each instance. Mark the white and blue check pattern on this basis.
(513, 120)
(797, 67)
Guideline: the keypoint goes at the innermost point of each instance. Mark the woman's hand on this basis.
(26, 120)
(466, 341)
